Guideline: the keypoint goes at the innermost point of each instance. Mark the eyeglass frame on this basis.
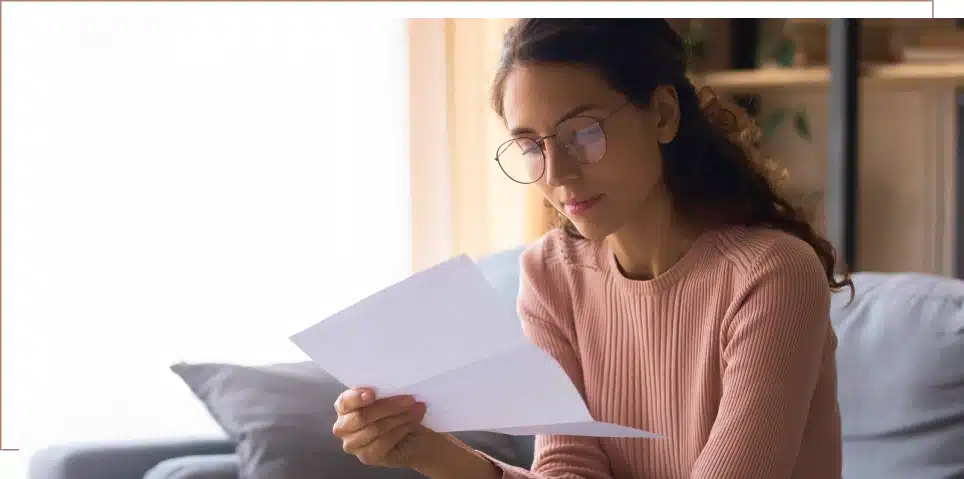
(541, 141)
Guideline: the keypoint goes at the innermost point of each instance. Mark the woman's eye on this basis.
(588, 134)
(530, 148)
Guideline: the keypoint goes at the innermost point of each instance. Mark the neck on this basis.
(649, 246)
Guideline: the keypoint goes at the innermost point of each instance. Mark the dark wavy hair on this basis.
(713, 170)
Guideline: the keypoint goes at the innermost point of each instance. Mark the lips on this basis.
(577, 207)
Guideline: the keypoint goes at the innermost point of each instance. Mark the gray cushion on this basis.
(502, 269)
(281, 417)
(213, 466)
(121, 459)
(900, 363)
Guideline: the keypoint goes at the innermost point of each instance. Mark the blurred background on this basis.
(863, 114)
(199, 187)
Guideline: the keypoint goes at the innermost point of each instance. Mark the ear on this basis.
(665, 105)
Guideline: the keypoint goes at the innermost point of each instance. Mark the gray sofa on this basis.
(901, 392)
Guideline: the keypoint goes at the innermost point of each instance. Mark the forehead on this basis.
(536, 97)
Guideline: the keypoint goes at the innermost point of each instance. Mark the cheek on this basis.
(647, 147)
(632, 167)
(633, 154)
(546, 191)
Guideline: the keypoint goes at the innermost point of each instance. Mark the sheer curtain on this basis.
(463, 202)
(186, 182)
(492, 212)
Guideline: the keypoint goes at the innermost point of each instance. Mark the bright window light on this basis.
(186, 182)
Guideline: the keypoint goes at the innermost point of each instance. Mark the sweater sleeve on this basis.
(774, 348)
(544, 310)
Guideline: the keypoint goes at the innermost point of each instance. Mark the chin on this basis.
(592, 230)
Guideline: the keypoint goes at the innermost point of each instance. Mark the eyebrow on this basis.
(569, 114)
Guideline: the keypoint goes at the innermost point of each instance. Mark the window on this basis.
(186, 182)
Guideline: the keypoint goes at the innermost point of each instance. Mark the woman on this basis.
(683, 295)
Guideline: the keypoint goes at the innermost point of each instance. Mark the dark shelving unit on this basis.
(842, 76)
(959, 191)
(842, 186)
(844, 139)
(744, 43)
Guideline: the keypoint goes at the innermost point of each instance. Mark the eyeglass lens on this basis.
(581, 139)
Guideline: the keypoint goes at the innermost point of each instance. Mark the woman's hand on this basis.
(384, 432)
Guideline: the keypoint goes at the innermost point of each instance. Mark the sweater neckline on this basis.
(692, 257)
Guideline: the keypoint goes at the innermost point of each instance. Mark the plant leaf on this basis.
(694, 48)
(786, 53)
(801, 124)
(688, 53)
(772, 122)
(762, 53)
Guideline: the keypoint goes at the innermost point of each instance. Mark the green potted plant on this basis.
(781, 53)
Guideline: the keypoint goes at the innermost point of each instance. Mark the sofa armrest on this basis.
(117, 459)
(206, 466)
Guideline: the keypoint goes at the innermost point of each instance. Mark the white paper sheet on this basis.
(445, 336)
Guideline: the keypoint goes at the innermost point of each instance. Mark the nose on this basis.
(560, 170)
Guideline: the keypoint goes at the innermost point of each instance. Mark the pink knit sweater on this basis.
(729, 356)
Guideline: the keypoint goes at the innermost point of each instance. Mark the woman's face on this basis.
(600, 197)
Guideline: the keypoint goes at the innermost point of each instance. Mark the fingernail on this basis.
(407, 400)
(366, 396)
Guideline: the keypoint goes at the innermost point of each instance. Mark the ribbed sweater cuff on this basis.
(509, 471)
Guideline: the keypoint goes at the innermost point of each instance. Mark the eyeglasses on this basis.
(581, 138)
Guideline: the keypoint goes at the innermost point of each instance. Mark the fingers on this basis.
(353, 399)
(360, 418)
(395, 431)
(380, 436)
(375, 454)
